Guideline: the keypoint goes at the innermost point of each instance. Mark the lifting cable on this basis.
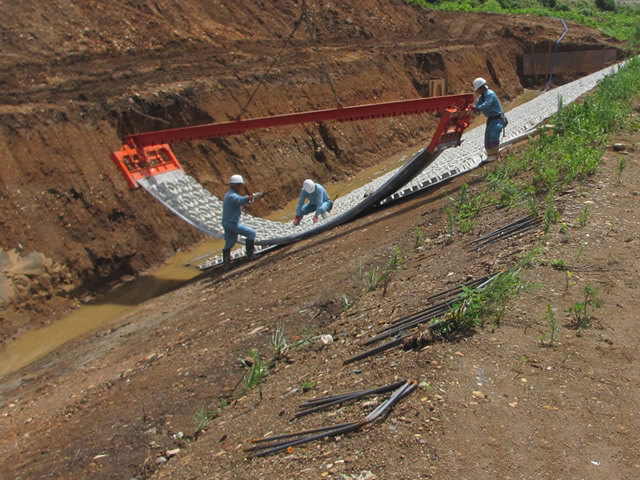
(309, 26)
(304, 16)
(296, 24)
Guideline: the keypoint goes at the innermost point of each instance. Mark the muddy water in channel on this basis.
(35, 344)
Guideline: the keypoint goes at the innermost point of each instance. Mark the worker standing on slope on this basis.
(489, 104)
(231, 210)
(318, 201)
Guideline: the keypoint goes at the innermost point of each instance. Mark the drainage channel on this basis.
(178, 270)
(35, 344)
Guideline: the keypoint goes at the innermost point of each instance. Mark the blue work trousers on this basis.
(312, 207)
(492, 132)
(231, 232)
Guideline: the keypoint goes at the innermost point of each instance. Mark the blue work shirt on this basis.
(489, 104)
(232, 207)
(317, 198)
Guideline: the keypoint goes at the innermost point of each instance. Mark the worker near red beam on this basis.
(317, 200)
(231, 211)
(489, 104)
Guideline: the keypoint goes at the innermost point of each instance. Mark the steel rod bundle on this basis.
(400, 328)
(519, 226)
(392, 330)
(281, 442)
(327, 402)
(430, 313)
(455, 291)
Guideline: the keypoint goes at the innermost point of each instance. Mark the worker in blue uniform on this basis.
(231, 211)
(317, 200)
(489, 104)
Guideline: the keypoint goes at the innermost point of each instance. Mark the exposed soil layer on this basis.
(155, 394)
(78, 76)
(503, 402)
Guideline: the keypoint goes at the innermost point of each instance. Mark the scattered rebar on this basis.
(430, 313)
(281, 442)
(407, 340)
(324, 403)
(517, 227)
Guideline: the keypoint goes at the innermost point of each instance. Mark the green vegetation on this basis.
(419, 238)
(306, 386)
(581, 312)
(203, 417)
(279, 342)
(465, 208)
(527, 258)
(583, 216)
(255, 371)
(622, 164)
(550, 337)
(376, 277)
(346, 303)
(570, 152)
(281, 345)
(476, 305)
(619, 20)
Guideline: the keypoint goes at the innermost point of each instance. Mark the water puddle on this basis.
(35, 344)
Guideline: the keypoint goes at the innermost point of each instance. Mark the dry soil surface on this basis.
(128, 401)
(501, 402)
(77, 76)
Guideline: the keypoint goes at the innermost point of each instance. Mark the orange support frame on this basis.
(135, 163)
(148, 153)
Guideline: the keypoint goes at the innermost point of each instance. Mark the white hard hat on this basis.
(235, 179)
(478, 82)
(309, 186)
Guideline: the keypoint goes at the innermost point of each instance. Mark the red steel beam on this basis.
(460, 102)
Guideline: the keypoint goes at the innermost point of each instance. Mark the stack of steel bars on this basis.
(397, 328)
(289, 440)
(519, 226)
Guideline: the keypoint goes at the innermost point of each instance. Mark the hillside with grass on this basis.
(620, 19)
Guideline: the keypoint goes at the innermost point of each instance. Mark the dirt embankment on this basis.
(77, 76)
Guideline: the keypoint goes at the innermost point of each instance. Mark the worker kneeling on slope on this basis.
(231, 211)
(489, 104)
(317, 201)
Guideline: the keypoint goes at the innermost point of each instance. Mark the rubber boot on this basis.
(226, 259)
(493, 154)
(250, 247)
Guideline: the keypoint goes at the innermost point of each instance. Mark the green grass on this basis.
(571, 152)
(581, 313)
(306, 386)
(583, 216)
(375, 277)
(550, 337)
(255, 372)
(418, 238)
(475, 306)
(279, 342)
(619, 21)
(203, 416)
(622, 164)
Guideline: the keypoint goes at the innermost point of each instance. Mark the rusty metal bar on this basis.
(460, 102)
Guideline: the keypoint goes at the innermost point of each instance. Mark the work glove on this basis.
(315, 219)
(297, 220)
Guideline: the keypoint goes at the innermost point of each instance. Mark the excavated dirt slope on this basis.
(155, 393)
(77, 76)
